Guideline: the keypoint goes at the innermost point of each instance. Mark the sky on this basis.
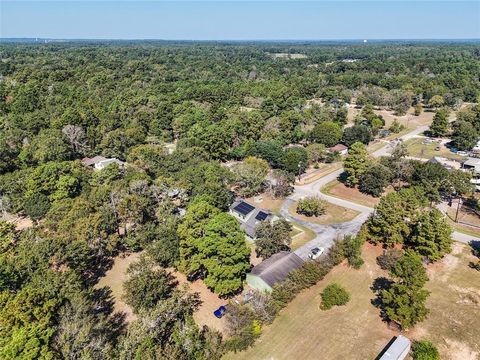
(241, 20)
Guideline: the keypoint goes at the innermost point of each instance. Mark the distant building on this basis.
(100, 162)
(340, 148)
(446, 163)
(249, 216)
(398, 349)
(273, 270)
(473, 165)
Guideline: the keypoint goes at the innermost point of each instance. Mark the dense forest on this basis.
(175, 114)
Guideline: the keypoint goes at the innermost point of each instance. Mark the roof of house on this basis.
(338, 147)
(472, 162)
(277, 267)
(446, 163)
(92, 161)
(397, 350)
(253, 216)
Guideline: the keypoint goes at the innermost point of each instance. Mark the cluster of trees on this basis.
(372, 176)
(216, 102)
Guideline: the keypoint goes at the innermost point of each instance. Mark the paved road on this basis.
(327, 234)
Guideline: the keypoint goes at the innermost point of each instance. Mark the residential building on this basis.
(100, 162)
(273, 270)
(249, 216)
(340, 148)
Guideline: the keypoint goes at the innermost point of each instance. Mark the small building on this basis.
(446, 163)
(273, 270)
(473, 165)
(398, 349)
(100, 162)
(249, 216)
(339, 148)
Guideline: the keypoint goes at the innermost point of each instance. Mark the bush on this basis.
(388, 260)
(424, 350)
(334, 295)
(311, 206)
(352, 247)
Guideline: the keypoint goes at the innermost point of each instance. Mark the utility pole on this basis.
(458, 209)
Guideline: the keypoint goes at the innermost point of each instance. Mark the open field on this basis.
(416, 148)
(409, 120)
(356, 331)
(334, 214)
(464, 218)
(337, 189)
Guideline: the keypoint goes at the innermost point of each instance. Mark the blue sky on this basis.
(241, 20)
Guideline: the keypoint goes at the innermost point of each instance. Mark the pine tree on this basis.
(439, 126)
(404, 301)
(356, 163)
(431, 235)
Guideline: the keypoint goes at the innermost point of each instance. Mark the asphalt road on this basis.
(327, 234)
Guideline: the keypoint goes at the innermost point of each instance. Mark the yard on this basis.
(115, 277)
(337, 189)
(301, 235)
(313, 174)
(417, 148)
(266, 202)
(356, 331)
(334, 214)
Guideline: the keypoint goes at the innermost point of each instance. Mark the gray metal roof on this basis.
(398, 350)
(250, 222)
(277, 267)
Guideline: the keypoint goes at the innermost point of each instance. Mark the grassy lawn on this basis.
(356, 331)
(416, 148)
(334, 214)
(465, 218)
(337, 189)
(303, 236)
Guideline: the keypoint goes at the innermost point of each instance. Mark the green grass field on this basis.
(356, 331)
(416, 148)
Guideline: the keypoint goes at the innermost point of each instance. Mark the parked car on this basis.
(462, 153)
(220, 312)
(315, 253)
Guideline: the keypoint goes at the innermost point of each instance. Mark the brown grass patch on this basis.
(338, 189)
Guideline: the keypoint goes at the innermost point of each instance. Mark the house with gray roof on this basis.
(100, 162)
(273, 270)
(249, 216)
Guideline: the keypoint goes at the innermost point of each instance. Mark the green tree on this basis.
(375, 179)
(316, 153)
(464, 135)
(418, 109)
(436, 101)
(37, 206)
(357, 133)
(213, 246)
(327, 133)
(250, 175)
(311, 206)
(272, 237)
(146, 284)
(355, 164)
(424, 350)
(295, 160)
(404, 301)
(334, 295)
(431, 235)
(439, 126)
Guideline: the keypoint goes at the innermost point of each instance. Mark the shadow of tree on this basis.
(380, 284)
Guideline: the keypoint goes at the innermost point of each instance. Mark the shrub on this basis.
(388, 260)
(352, 247)
(311, 206)
(334, 295)
(424, 350)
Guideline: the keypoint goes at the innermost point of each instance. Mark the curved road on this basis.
(327, 234)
